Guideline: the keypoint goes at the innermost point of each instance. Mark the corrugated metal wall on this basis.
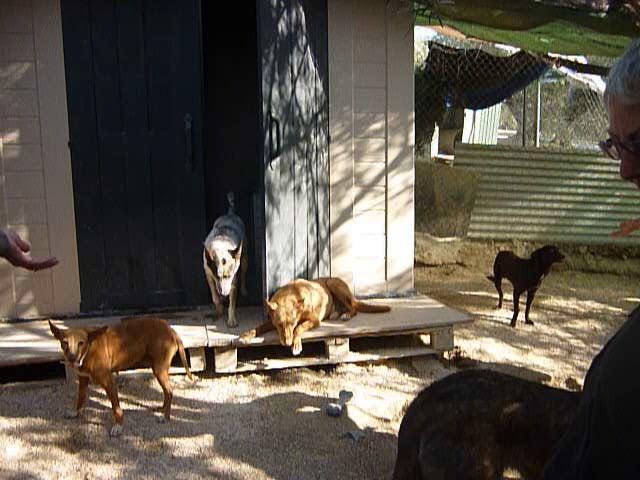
(534, 194)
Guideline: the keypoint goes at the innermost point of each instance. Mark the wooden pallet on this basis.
(333, 350)
(408, 317)
(333, 342)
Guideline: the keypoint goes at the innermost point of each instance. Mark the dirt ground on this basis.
(575, 311)
(274, 425)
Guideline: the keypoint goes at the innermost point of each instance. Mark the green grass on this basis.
(557, 36)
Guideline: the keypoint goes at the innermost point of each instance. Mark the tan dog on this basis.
(96, 353)
(225, 259)
(302, 304)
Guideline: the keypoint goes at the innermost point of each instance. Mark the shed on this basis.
(124, 124)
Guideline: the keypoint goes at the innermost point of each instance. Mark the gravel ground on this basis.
(258, 426)
(273, 425)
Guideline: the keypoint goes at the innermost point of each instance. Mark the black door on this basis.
(293, 54)
(133, 71)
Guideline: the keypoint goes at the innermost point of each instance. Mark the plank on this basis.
(337, 348)
(32, 342)
(225, 359)
(198, 362)
(407, 315)
(351, 357)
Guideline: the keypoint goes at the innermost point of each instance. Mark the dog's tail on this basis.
(370, 308)
(232, 202)
(183, 356)
(491, 277)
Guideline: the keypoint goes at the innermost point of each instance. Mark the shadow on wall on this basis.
(22, 293)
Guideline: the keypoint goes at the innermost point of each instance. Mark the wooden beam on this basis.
(442, 339)
(336, 348)
(197, 359)
(578, 67)
(225, 359)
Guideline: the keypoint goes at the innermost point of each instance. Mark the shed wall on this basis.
(36, 196)
(371, 128)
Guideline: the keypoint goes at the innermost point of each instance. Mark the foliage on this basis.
(444, 199)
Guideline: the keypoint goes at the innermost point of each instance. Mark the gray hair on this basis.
(623, 82)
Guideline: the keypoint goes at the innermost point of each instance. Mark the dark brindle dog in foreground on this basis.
(524, 274)
(477, 423)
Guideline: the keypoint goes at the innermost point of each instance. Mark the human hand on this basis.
(16, 251)
(626, 228)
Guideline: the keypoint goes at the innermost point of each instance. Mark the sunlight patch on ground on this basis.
(187, 446)
(572, 305)
(479, 293)
(13, 451)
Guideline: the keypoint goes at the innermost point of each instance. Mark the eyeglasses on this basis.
(614, 147)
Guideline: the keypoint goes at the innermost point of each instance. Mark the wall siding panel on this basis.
(30, 38)
(371, 82)
(547, 195)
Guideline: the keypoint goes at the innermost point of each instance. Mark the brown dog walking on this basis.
(97, 353)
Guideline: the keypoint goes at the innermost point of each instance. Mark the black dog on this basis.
(476, 423)
(524, 275)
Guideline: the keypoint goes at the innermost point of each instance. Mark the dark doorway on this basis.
(133, 72)
(232, 122)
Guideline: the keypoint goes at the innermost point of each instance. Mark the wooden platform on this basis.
(334, 342)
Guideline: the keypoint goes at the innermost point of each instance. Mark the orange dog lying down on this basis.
(96, 353)
(302, 304)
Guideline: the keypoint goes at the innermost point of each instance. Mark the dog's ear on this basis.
(207, 255)
(56, 331)
(270, 306)
(96, 332)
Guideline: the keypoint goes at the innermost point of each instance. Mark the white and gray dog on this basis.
(223, 256)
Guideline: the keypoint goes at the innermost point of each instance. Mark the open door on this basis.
(294, 81)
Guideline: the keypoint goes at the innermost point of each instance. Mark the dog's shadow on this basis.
(285, 434)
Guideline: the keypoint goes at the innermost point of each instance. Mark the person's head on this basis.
(622, 101)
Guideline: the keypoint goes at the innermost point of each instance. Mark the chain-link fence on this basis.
(479, 93)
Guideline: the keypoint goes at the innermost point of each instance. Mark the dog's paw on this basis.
(244, 338)
(71, 414)
(116, 430)
(232, 322)
(296, 349)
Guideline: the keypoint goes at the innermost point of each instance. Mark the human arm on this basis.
(16, 251)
